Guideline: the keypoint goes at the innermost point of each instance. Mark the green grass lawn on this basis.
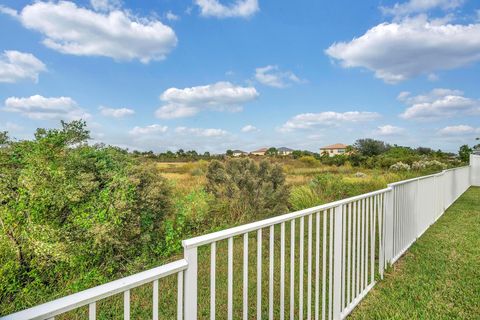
(439, 276)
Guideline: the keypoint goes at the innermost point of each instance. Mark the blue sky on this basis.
(214, 75)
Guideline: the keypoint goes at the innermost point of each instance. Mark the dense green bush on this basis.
(72, 214)
(245, 190)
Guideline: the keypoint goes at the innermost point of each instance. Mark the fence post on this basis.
(474, 170)
(337, 263)
(190, 289)
(388, 225)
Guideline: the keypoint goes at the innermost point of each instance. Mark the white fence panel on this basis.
(419, 202)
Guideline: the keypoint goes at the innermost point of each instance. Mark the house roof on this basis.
(260, 150)
(284, 149)
(335, 146)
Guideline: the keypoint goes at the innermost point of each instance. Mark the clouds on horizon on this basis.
(437, 104)
(148, 130)
(116, 112)
(459, 130)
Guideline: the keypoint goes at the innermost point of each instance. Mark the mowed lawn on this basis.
(439, 276)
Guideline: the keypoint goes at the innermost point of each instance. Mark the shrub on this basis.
(246, 190)
(400, 166)
(428, 165)
(309, 161)
(70, 210)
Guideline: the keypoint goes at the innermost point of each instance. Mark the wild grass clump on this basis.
(328, 187)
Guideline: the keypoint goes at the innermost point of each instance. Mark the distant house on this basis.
(238, 153)
(259, 152)
(283, 151)
(334, 149)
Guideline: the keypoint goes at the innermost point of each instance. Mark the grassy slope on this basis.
(439, 276)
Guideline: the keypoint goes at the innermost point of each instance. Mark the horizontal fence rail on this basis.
(122, 286)
(317, 263)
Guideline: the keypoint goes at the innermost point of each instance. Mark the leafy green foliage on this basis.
(464, 153)
(73, 211)
(271, 152)
(243, 189)
(370, 147)
(4, 137)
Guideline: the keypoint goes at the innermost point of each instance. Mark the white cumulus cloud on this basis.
(171, 16)
(201, 132)
(220, 96)
(458, 130)
(401, 50)
(420, 6)
(148, 130)
(106, 5)
(328, 118)
(16, 66)
(116, 112)
(117, 34)
(249, 128)
(272, 76)
(438, 103)
(43, 108)
(239, 8)
(389, 130)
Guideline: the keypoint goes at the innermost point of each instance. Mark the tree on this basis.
(464, 153)
(271, 152)
(370, 147)
(4, 137)
(229, 153)
(424, 150)
(180, 153)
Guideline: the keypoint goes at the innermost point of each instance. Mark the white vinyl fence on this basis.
(320, 262)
